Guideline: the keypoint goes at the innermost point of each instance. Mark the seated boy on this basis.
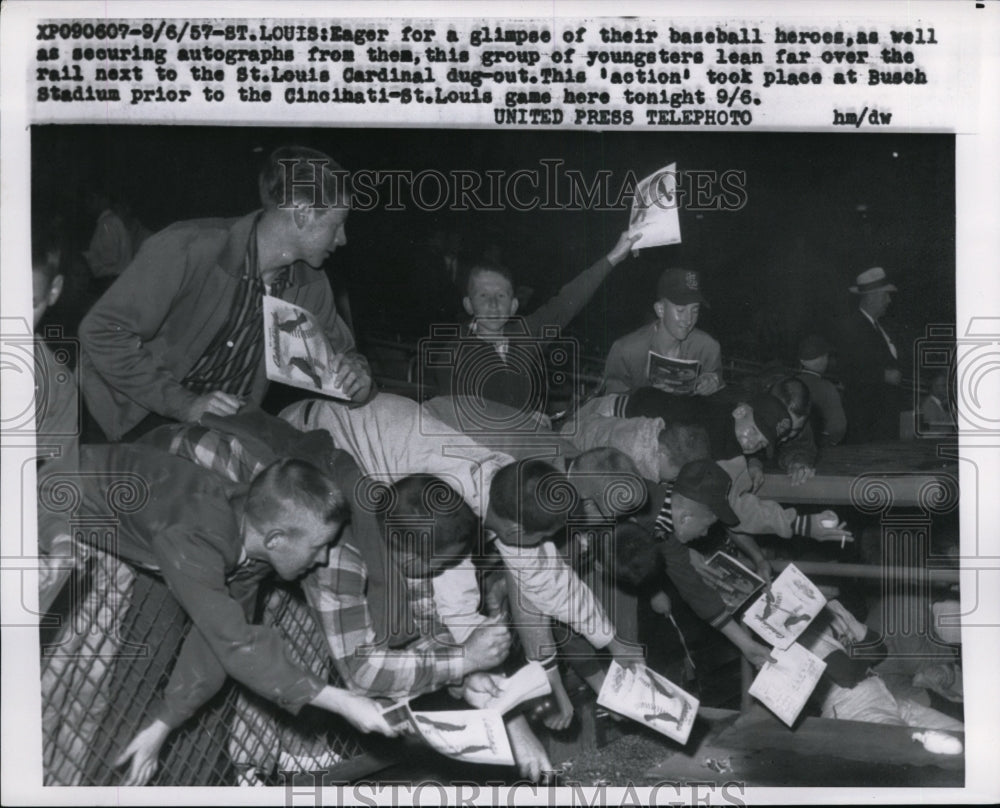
(672, 334)
(499, 357)
(828, 419)
(214, 543)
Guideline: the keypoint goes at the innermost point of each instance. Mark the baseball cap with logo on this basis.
(771, 418)
(705, 482)
(680, 287)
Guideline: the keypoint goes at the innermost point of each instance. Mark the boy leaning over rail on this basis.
(214, 543)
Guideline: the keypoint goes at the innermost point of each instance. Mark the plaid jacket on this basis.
(339, 592)
(339, 595)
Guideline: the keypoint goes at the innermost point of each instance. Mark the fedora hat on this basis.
(872, 280)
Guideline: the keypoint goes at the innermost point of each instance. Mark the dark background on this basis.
(820, 208)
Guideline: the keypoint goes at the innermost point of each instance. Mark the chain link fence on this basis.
(107, 658)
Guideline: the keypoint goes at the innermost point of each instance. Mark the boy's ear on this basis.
(658, 308)
(467, 305)
(55, 290)
(275, 538)
(514, 303)
(301, 214)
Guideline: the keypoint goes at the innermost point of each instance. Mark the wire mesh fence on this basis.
(105, 663)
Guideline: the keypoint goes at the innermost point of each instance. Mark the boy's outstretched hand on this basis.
(529, 753)
(480, 688)
(827, 526)
(757, 655)
(144, 753)
(365, 714)
(564, 717)
(626, 654)
(621, 250)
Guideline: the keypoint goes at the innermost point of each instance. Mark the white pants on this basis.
(871, 701)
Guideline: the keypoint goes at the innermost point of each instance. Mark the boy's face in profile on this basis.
(750, 438)
(691, 520)
(305, 544)
(490, 301)
(319, 232)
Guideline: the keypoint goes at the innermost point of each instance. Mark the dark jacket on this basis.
(872, 407)
(175, 518)
(148, 330)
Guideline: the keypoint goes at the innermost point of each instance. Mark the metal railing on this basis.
(104, 665)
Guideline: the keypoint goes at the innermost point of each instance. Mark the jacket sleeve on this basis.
(546, 586)
(571, 299)
(253, 655)
(617, 378)
(115, 331)
(198, 675)
(337, 594)
(756, 515)
(703, 600)
(711, 357)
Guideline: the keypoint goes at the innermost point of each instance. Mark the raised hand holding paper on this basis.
(654, 210)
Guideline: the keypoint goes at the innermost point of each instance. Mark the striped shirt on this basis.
(664, 524)
(338, 595)
(233, 356)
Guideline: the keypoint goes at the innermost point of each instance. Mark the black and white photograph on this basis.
(349, 458)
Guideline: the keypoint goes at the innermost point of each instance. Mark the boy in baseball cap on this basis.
(673, 334)
(699, 498)
(829, 421)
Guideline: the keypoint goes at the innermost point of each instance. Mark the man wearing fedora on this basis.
(868, 362)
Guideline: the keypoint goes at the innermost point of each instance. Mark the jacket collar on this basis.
(235, 251)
